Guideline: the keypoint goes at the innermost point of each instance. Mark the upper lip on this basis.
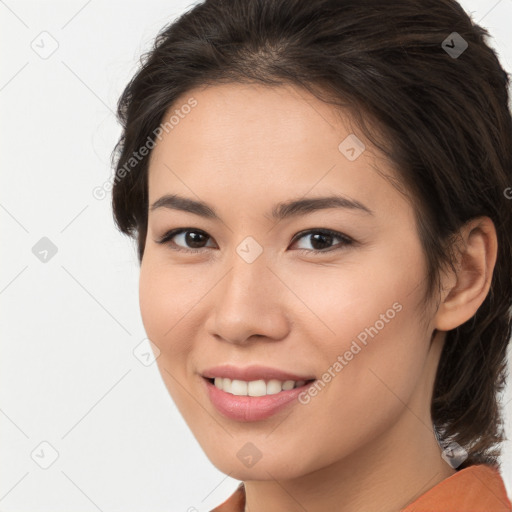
(250, 373)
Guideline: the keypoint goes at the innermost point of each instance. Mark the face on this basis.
(328, 291)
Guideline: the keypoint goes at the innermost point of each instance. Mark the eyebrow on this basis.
(280, 211)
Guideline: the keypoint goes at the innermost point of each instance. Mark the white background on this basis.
(69, 326)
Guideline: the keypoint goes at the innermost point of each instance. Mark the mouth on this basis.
(256, 388)
(250, 401)
(255, 392)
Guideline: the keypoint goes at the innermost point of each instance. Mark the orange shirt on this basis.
(477, 488)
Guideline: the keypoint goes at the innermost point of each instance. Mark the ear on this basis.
(463, 292)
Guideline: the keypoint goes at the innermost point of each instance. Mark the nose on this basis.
(249, 303)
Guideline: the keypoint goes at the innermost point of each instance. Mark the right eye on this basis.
(184, 235)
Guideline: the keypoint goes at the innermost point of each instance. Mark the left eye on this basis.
(320, 239)
(323, 237)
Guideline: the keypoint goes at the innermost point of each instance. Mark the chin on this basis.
(241, 466)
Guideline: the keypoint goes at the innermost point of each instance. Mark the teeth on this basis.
(255, 387)
(274, 386)
(225, 383)
(238, 387)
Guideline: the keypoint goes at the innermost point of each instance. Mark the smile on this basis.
(256, 387)
(247, 408)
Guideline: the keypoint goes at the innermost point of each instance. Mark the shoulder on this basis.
(478, 488)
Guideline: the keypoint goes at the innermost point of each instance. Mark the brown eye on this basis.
(188, 239)
(321, 240)
(194, 239)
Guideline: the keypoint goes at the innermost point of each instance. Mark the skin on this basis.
(365, 442)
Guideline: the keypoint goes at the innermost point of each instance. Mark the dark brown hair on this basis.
(442, 119)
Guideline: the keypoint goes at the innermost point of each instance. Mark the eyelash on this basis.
(166, 239)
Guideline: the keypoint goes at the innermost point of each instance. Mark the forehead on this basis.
(244, 119)
(261, 142)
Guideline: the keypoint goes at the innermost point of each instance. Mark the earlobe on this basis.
(465, 291)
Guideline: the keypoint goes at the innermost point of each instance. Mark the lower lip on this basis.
(251, 408)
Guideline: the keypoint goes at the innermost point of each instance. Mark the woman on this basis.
(320, 193)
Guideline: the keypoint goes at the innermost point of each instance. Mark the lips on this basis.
(250, 408)
(253, 372)
(253, 406)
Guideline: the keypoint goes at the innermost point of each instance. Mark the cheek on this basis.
(153, 300)
(167, 310)
(376, 356)
(166, 296)
(371, 309)
(371, 368)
